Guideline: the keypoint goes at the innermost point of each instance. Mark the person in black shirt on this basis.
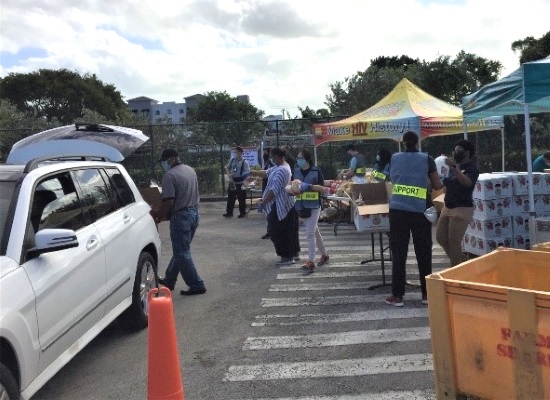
(459, 206)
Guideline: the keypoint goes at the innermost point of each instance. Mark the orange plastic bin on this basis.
(490, 326)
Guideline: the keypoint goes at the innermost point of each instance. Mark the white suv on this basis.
(78, 248)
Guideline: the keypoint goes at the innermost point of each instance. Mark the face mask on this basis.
(165, 165)
(459, 156)
(377, 158)
(301, 163)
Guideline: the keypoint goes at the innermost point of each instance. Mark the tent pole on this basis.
(315, 154)
(465, 127)
(532, 214)
(502, 141)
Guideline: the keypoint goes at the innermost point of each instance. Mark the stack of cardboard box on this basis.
(491, 225)
(501, 216)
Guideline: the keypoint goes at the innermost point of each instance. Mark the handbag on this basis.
(305, 213)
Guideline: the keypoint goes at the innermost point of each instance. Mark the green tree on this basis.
(532, 49)
(223, 119)
(63, 95)
(15, 126)
(445, 78)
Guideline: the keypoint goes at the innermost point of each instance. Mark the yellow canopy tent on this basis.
(405, 108)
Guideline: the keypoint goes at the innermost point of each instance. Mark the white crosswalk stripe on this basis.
(345, 315)
(336, 339)
(374, 315)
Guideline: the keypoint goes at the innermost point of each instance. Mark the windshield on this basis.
(6, 194)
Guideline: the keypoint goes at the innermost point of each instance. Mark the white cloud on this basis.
(282, 53)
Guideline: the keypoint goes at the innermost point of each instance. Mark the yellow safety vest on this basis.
(308, 196)
(412, 191)
(378, 175)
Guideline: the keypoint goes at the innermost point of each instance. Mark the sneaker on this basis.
(227, 215)
(395, 301)
(309, 267)
(296, 257)
(323, 260)
(285, 261)
(425, 299)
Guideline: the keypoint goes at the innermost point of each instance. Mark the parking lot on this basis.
(262, 332)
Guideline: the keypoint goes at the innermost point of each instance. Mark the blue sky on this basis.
(283, 54)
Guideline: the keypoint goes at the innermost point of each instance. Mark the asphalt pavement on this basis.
(267, 332)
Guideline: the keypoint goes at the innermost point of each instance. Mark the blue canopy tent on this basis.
(524, 91)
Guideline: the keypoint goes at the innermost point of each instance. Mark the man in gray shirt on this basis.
(180, 202)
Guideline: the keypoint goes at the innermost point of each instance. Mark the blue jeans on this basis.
(183, 225)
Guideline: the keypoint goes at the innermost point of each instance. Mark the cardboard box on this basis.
(152, 197)
(492, 186)
(493, 208)
(371, 193)
(520, 184)
(542, 203)
(520, 224)
(490, 228)
(490, 324)
(479, 246)
(521, 241)
(372, 218)
(520, 204)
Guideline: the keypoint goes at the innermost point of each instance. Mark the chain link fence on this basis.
(207, 147)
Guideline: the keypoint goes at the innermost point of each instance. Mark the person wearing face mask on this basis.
(238, 170)
(458, 209)
(279, 207)
(308, 205)
(180, 202)
(357, 163)
(381, 170)
(267, 163)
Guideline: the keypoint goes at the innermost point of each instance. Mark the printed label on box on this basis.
(520, 183)
(371, 222)
(479, 246)
(494, 208)
(489, 228)
(492, 186)
(520, 223)
(522, 241)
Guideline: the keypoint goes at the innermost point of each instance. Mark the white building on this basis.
(167, 112)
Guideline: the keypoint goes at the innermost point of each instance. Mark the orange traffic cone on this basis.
(163, 374)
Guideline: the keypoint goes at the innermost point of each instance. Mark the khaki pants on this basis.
(450, 230)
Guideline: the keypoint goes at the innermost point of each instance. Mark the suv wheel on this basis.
(136, 316)
(9, 389)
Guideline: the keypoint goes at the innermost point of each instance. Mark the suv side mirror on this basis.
(48, 240)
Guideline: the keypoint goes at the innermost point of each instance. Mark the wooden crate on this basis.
(490, 326)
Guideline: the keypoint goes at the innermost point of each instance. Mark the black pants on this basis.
(402, 224)
(282, 231)
(233, 194)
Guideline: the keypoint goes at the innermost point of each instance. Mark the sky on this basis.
(283, 54)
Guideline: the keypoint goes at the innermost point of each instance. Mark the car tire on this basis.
(136, 316)
(8, 385)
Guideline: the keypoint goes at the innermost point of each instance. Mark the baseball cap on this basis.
(168, 153)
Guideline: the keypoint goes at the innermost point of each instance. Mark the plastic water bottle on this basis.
(442, 167)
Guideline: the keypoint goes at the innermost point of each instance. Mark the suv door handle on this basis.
(126, 218)
(92, 243)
